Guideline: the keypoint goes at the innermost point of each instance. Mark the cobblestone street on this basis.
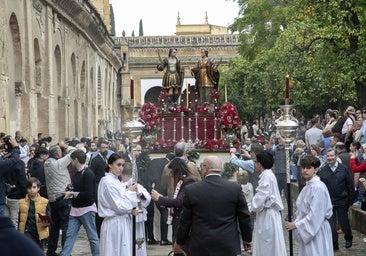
(81, 247)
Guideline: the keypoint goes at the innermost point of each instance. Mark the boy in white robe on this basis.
(145, 199)
(267, 204)
(314, 207)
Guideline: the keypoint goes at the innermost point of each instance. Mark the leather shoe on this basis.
(165, 242)
(152, 241)
(348, 244)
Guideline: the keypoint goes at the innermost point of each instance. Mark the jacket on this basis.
(14, 243)
(214, 215)
(15, 179)
(339, 184)
(5, 165)
(57, 175)
(41, 207)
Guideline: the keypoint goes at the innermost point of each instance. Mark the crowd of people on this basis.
(327, 159)
(113, 189)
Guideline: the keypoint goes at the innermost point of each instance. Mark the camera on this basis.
(69, 187)
(9, 187)
(7, 144)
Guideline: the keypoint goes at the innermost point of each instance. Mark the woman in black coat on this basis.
(182, 178)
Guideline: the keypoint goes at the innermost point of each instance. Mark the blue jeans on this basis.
(88, 222)
(2, 210)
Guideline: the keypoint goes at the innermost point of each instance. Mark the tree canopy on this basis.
(320, 44)
(111, 16)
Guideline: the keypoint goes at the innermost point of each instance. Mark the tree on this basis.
(111, 16)
(319, 43)
(141, 28)
(133, 33)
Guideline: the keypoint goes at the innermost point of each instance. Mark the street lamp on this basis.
(133, 130)
(286, 126)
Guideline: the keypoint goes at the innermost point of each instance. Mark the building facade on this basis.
(58, 70)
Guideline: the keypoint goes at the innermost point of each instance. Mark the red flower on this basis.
(149, 114)
(228, 117)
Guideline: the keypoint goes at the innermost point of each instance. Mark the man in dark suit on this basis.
(212, 211)
(339, 182)
(97, 165)
(99, 160)
(153, 181)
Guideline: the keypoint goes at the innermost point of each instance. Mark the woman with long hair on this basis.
(182, 177)
(116, 205)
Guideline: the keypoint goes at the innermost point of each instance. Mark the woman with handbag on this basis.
(182, 178)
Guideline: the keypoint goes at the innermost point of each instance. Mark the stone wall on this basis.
(58, 70)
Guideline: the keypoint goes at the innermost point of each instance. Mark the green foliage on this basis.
(193, 156)
(319, 44)
(229, 170)
(141, 28)
(111, 16)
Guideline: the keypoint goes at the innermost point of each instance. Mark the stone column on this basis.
(49, 79)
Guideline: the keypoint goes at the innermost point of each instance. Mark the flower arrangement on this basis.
(214, 96)
(149, 114)
(163, 98)
(203, 109)
(180, 108)
(213, 144)
(228, 117)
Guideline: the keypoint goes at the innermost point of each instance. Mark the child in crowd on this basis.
(31, 208)
(242, 178)
(144, 198)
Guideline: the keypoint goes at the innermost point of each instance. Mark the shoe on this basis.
(152, 241)
(165, 242)
(348, 244)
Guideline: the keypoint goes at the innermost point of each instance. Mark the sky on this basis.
(159, 17)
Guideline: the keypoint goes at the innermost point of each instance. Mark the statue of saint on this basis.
(173, 75)
(207, 76)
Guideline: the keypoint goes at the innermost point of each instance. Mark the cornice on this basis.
(88, 21)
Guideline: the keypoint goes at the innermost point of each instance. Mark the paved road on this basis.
(81, 247)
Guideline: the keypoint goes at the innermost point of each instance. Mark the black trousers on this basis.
(60, 211)
(340, 216)
(150, 221)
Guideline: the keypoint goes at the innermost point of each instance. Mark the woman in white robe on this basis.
(314, 207)
(267, 204)
(145, 199)
(116, 205)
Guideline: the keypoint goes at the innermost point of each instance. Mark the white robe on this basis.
(140, 218)
(115, 204)
(268, 228)
(314, 208)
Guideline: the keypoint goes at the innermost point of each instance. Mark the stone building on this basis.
(140, 55)
(58, 69)
(63, 75)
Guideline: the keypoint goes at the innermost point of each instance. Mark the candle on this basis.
(187, 94)
(287, 90)
(225, 93)
(132, 96)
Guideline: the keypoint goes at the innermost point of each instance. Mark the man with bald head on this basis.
(212, 211)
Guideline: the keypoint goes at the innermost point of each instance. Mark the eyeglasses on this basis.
(202, 165)
(364, 112)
